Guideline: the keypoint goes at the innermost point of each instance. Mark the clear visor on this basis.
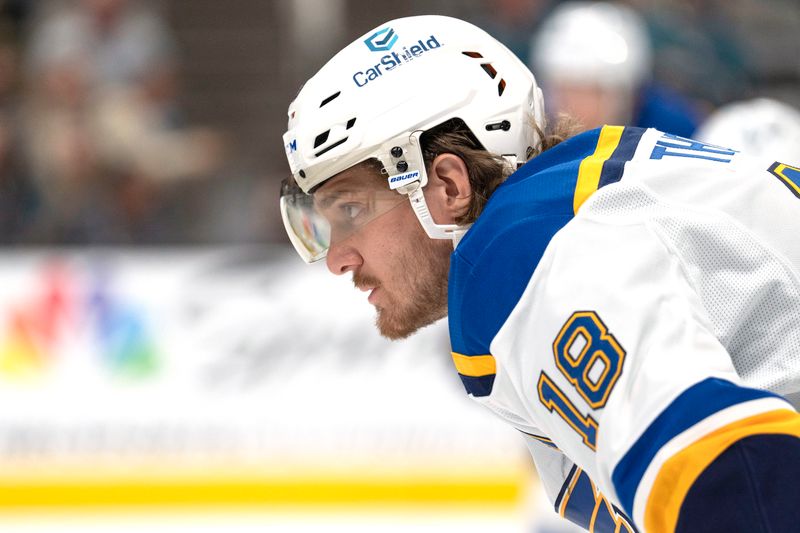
(333, 213)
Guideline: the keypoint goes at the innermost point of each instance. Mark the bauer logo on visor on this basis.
(398, 180)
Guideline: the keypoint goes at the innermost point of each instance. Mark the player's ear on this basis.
(448, 188)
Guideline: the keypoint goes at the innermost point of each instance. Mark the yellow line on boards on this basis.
(177, 492)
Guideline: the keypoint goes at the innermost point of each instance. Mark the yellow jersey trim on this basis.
(475, 365)
(543, 440)
(780, 172)
(592, 166)
(678, 473)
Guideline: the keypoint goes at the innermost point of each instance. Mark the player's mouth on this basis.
(371, 299)
(368, 284)
(370, 289)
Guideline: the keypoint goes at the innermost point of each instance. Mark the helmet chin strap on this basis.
(413, 190)
(432, 229)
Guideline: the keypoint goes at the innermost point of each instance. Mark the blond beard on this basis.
(424, 278)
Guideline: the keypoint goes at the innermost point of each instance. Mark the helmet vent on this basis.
(501, 86)
(321, 138)
(351, 123)
(331, 147)
(490, 70)
(474, 55)
(330, 98)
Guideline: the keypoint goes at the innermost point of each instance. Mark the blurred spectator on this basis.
(18, 199)
(762, 127)
(9, 78)
(121, 41)
(104, 132)
(594, 61)
(58, 143)
(138, 127)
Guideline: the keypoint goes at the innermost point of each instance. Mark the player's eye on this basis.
(352, 211)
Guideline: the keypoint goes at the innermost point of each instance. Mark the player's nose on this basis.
(342, 258)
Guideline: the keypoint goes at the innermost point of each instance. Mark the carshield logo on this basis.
(382, 40)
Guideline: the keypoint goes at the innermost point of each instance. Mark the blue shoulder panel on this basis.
(497, 257)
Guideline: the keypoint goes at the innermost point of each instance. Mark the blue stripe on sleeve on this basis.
(696, 403)
(564, 487)
(589, 509)
(580, 505)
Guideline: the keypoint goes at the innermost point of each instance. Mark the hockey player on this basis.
(760, 126)
(595, 62)
(629, 300)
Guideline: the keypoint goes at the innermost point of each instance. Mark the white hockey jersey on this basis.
(630, 301)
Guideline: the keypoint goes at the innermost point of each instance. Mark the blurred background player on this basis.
(762, 127)
(595, 61)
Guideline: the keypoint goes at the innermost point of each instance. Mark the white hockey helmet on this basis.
(600, 43)
(376, 97)
(760, 127)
